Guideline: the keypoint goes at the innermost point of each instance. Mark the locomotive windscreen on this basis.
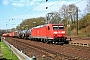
(58, 27)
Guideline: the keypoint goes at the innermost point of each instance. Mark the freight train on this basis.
(48, 33)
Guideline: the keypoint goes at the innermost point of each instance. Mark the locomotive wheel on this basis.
(50, 42)
(26, 38)
(41, 40)
(60, 43)
(47, 41)
(44, 40)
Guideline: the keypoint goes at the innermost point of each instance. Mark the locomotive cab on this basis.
(59, 33)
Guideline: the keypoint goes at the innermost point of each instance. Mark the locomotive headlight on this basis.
(55, 32)
(63, 32)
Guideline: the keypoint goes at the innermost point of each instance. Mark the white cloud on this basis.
(5, 2)
(18, 4)
(21, 3)
(41, 10)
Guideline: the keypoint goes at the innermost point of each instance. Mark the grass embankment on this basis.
(84, 32)
(7, 53)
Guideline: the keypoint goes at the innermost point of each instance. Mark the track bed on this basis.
(50, 51)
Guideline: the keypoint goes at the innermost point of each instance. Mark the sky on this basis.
(12, 12)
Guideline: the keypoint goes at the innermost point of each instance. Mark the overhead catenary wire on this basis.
(63, 0)
(48, 6)
(54, 4)
(32, 8)
(78, 2)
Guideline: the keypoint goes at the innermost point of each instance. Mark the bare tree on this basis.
(69, 14)
(64, 14)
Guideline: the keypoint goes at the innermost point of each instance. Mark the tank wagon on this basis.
(20, 34)
(26, 33)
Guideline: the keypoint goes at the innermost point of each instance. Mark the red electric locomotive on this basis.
(49, 33)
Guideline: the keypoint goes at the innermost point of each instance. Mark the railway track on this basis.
(79, 38)
(53, 52)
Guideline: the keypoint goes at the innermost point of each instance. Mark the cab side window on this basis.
(48, 28)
